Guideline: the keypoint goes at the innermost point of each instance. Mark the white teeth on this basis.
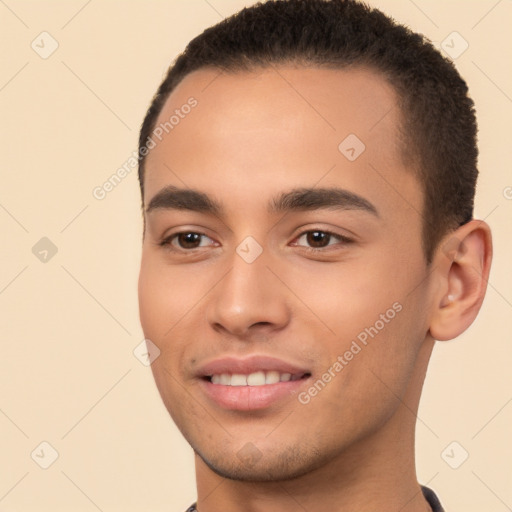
(238, 380)
(256, 379)
(225, 379)
(272, 377)
(259, 378)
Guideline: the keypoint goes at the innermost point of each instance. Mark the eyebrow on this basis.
(298, 199)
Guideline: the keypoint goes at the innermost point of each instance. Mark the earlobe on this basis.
(462, 263)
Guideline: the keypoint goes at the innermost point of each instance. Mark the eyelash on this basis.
(166, 242)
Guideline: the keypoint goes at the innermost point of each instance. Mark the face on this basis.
(288, 318)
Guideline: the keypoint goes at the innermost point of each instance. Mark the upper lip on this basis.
(249, 365)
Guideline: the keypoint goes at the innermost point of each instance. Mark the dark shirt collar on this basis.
(432, 499)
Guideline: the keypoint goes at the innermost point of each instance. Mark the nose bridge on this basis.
(248, 294)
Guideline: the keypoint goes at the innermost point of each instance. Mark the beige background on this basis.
(68, 375)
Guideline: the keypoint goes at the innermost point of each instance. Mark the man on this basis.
(307, 172)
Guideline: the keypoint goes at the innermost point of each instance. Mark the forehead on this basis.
(279, 126)
(330, 101)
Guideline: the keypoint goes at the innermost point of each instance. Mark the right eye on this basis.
(185, 241)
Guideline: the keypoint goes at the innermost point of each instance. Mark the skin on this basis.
(252, 136)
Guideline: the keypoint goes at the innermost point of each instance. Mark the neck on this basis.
(376, 473)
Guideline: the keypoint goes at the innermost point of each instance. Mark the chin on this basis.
(250, 465)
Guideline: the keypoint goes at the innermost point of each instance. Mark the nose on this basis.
(250, 301)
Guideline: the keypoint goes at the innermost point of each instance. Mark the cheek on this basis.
(169, 297)
(374, 323)
(380, 372)
(151, 301)
(344, 297)
(163, 297)
(373, 378)
(158, 313)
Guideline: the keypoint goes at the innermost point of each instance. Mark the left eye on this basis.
(319, 239)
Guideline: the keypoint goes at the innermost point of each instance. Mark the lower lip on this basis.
(250, 398)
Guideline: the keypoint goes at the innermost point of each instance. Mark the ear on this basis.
(462, 264)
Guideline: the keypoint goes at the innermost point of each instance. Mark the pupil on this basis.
(189, 239)
(315, 237)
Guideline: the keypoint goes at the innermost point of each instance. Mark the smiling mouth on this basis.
(255, 379)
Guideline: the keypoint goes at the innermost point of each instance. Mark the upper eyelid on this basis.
(327, 231)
